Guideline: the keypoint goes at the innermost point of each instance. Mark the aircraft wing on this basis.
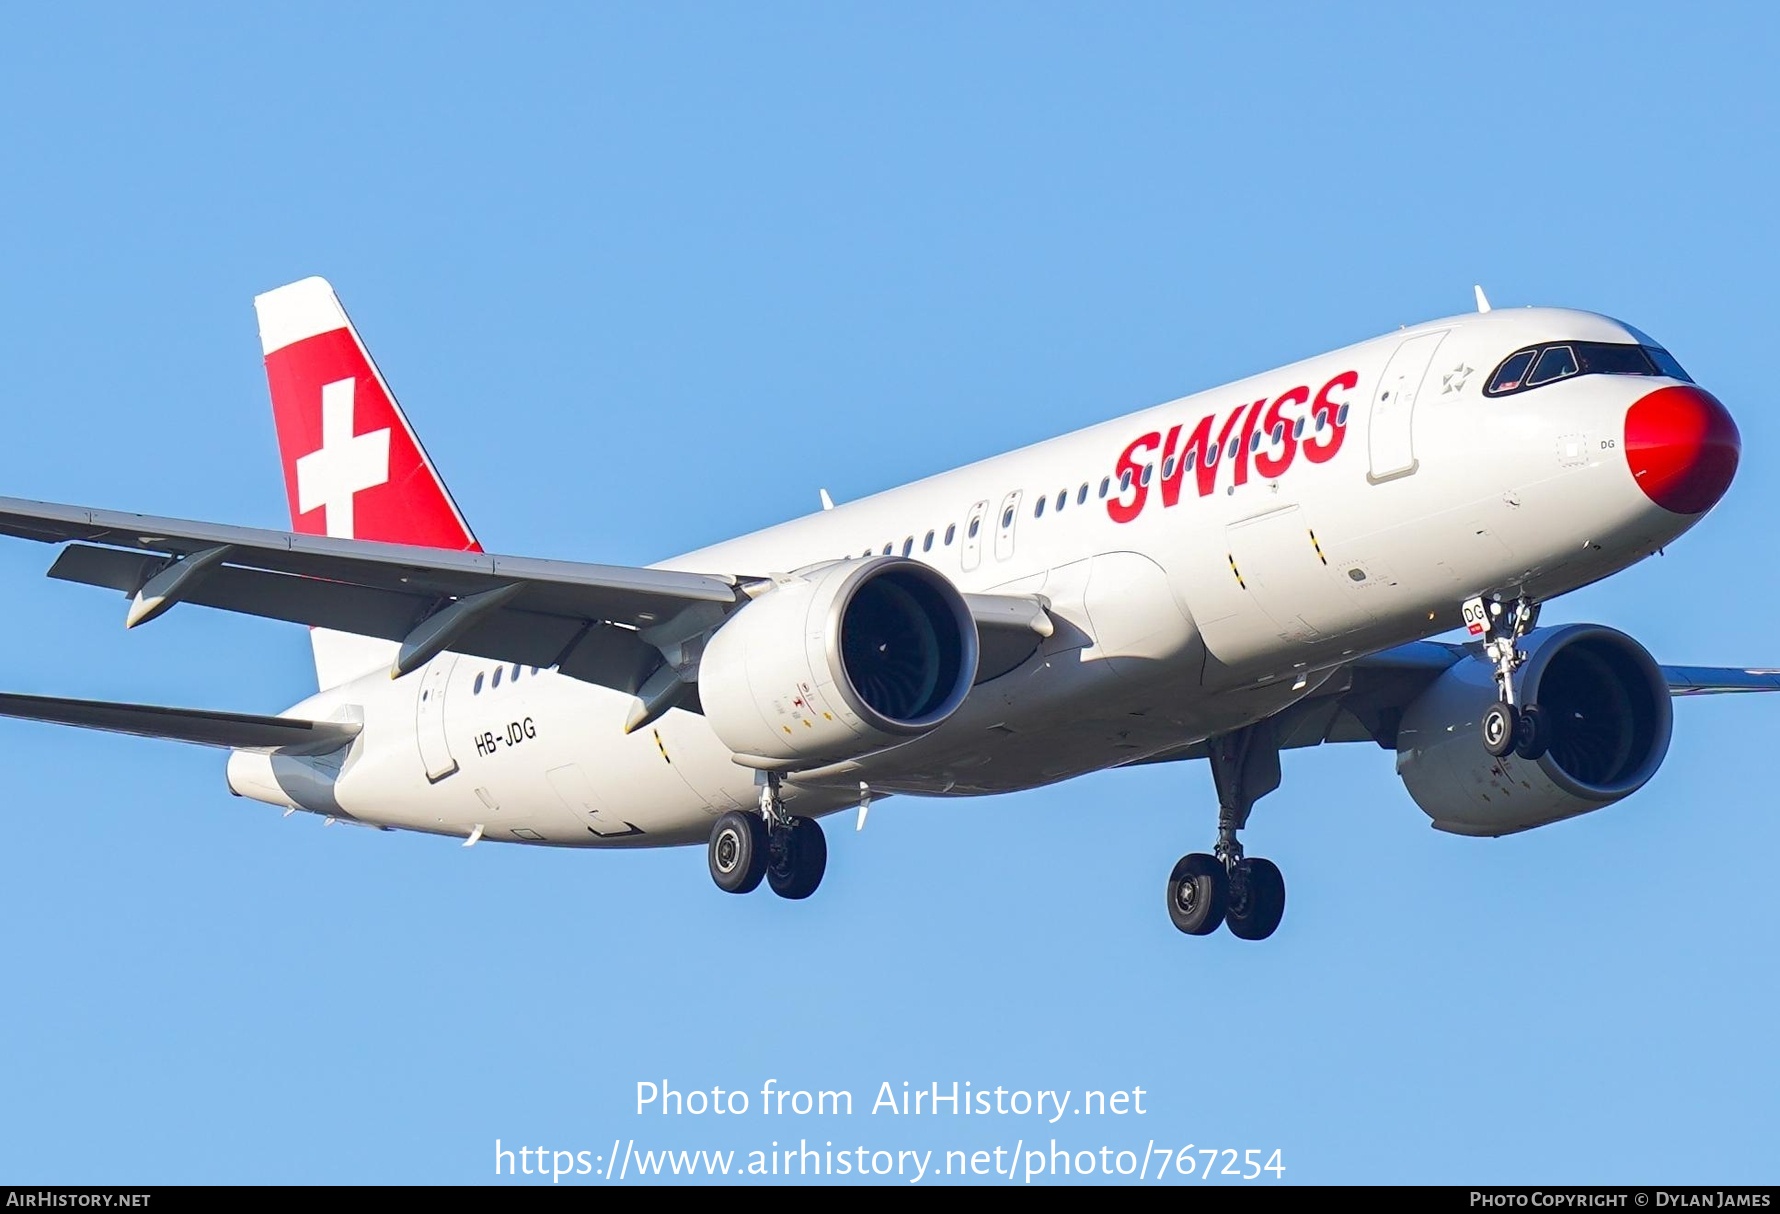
(1373, 692)
(240, 731)
(584, 619)
(1364, 700)
(604, 624)
(1718, 680)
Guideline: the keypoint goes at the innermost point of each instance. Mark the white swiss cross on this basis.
(344, 465)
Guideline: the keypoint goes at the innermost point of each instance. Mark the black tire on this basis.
(1198, 891)
(798, 859)
(1257, 900)
(1533, 734)
(737, 852)
(1500, 728)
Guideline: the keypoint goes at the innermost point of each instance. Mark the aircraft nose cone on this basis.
(1682, 448)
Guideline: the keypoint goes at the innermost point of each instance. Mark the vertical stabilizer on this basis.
(353, 466)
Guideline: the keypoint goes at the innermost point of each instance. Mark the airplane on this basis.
(1254, 568)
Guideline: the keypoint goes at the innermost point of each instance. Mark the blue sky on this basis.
(648, 276)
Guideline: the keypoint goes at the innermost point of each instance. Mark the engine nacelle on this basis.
(848, 659)
(1607, 705)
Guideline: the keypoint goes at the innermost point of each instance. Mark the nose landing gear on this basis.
(1507, 727)
(1247, 895)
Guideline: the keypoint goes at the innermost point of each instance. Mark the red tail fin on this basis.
(353, 467)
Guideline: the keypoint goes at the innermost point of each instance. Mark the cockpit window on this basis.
(1615, 360)
(1555, 362)
(1665, 362)
(1513, 373)
(1538, 365)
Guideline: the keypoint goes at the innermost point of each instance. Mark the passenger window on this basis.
(951, 530)
(1168, 467)
(1062, 498)
(1511, 374)
(1147, 469)
(1279, 433)
(496, 681)
(927, 544)
(1105, 484)
(908, 545)
(888, 547)
(1038, 509)
(1124, 482)
(1555, 362)
(1298, 428)
(476, 687)
(1082, 497)
(516, 670)
(975, 526)
(1007, 517)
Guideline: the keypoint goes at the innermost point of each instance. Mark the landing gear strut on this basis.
(789, 853)
(1507, 727)
(1246, 894)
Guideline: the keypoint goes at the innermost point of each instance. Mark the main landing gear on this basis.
(1507, 727)
(1245, 894)
(790, 854)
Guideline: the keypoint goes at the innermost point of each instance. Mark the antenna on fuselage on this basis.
(827, 502)
(1483, 303)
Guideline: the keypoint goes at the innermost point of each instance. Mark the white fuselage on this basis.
(1356, 500)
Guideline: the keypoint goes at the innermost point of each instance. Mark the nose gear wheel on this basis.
(1507, 727)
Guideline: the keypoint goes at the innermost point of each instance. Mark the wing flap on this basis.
(591, 650)
(112, 568)
(235, 730)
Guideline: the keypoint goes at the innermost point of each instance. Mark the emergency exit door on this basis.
(429, 718)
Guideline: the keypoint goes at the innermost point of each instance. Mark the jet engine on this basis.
(1606, 708)
(839, 661)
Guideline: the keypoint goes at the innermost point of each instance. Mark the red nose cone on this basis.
(1682, 448)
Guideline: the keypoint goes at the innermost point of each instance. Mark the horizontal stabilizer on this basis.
(237, 730)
